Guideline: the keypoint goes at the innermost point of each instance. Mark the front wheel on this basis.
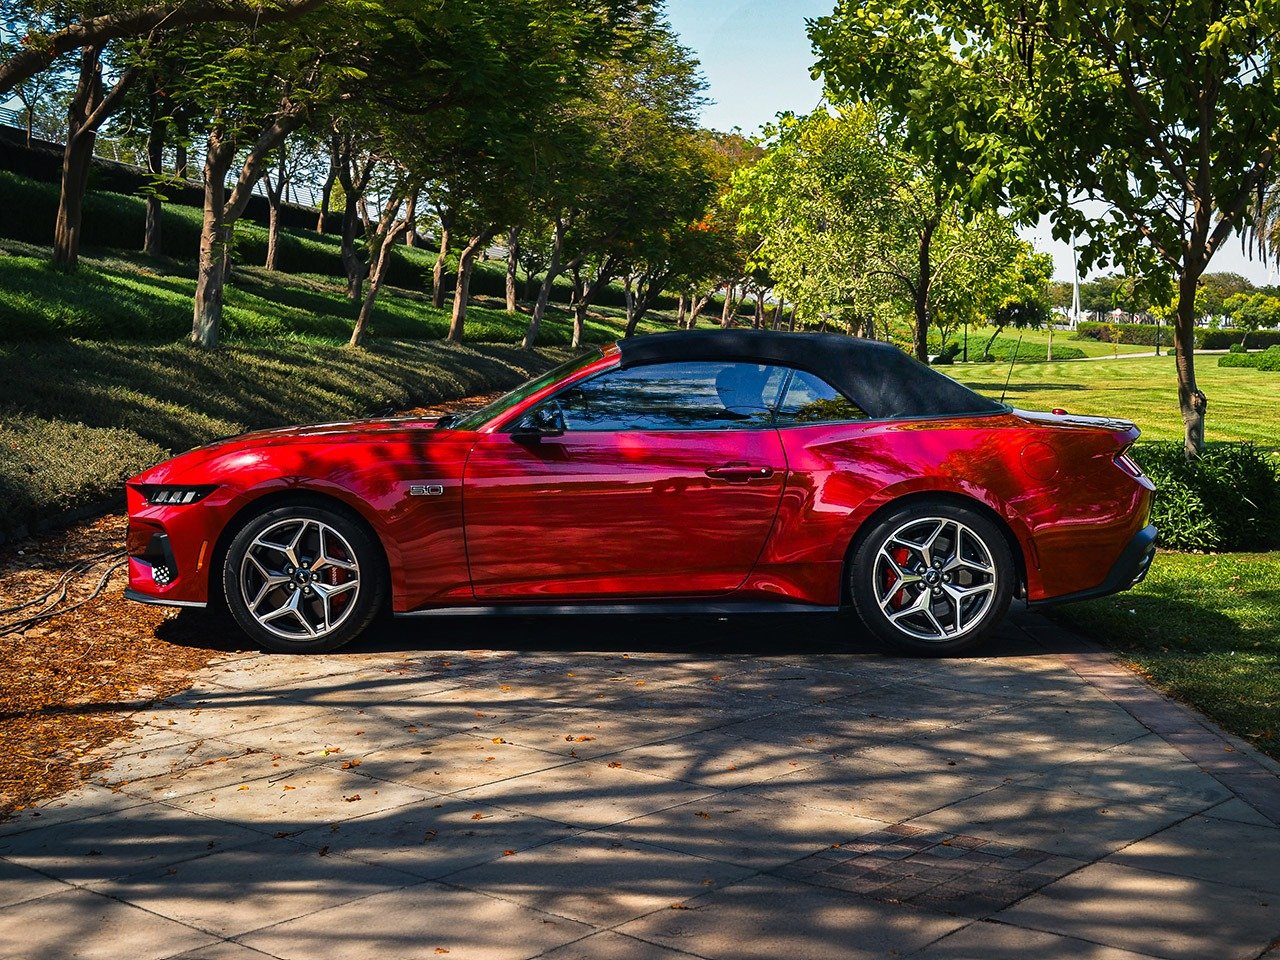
(932, 578)
(303, 579)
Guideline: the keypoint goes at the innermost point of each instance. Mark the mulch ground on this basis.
(70, 683)
(77, 660)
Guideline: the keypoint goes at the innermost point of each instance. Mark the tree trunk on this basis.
(699, 304)
(583, 295)
(353, 182)
(726, 312)
(437, 276)
(513, 261)
(153, 239)
(381, 266)
(180, 160)
(211, 271)
(791, 326)
(355, 267)
(462, 290)
(89, 108)
(758, 320)
(221, 213)
(273, 236)
(920, 298)
(544, 291)
(986, 352)
(1191, 401)
(579, 314)
(76, 159)
(682, 311)
(777, 313)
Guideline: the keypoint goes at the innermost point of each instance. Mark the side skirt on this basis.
(633, 609)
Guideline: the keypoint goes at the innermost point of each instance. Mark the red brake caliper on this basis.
(900, 557)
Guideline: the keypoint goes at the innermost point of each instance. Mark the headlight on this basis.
(166, 495)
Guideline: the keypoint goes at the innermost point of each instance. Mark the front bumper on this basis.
(1128, 571)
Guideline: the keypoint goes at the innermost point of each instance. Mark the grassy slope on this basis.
(82, 416)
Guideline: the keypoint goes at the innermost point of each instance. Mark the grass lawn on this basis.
(1207, 629)
(1242, 402)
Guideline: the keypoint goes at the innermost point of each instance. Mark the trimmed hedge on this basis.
(1144, 334)
(1227, 499)
(1268, 359)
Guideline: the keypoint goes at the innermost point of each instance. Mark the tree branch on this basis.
(97, 31)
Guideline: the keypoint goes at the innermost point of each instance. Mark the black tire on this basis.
(322, 598)
(951, 591)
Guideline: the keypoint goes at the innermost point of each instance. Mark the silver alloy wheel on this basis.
(300, 579)
(934, 579)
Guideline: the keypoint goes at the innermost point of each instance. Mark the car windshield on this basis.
(478, 418)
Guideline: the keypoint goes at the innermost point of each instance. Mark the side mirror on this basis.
(545, 421)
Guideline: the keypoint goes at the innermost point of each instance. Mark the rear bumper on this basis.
(1128, 571)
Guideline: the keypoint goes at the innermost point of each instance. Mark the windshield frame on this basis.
(530, 392)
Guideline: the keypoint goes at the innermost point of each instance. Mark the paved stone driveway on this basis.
(656, 789)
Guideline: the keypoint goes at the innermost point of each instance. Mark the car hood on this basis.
(178, 468)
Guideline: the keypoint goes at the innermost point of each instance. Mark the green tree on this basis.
(1167, 116)
(847, 221)
(1024, 297)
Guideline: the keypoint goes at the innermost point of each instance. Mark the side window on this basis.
(701, 395)
(810, 399)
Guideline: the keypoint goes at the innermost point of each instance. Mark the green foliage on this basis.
(1226, 499)
(1235, 348)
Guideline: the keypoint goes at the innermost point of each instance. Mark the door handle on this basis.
(739, 472)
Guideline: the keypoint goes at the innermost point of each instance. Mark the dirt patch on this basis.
(77, 660)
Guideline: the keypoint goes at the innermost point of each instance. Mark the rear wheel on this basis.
(303, 579)
(932, 578)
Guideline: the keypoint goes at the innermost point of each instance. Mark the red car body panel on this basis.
(627, 515)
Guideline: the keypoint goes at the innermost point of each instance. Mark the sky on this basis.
(756, 58)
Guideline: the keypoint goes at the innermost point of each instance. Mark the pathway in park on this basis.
(652, 790)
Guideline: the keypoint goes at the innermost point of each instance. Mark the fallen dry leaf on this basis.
(615, 763)
(353, 798)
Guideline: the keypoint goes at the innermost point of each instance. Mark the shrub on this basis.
(1237, 348)
(49, 466)
(1268, 359)
(1227, 499)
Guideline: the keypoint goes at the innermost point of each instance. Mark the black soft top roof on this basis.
(878, 377)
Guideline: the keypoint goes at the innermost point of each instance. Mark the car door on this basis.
(664, 482)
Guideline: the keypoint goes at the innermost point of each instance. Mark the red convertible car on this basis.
(721, 471)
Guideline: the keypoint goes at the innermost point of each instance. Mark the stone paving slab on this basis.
(1153, 913)
(684, 787)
